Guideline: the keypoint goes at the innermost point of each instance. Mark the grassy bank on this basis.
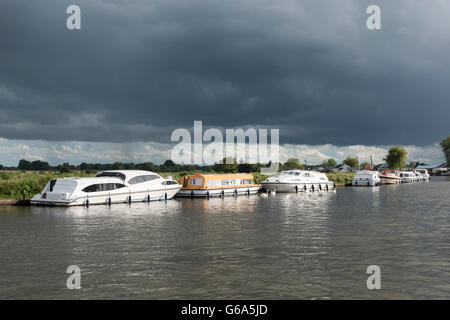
(13, 184)
(340, 177)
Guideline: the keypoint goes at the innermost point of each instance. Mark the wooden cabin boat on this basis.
(218, 185)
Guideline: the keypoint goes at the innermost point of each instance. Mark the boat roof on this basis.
(367, 172)
(126, 173)
(220, 176)
(298, 170)
(116, 176)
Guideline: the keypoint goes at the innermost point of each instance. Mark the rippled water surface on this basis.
(283, 246)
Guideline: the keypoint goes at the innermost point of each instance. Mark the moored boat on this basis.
(115, 186)
(366, 178)
(390, 177)
(298, 180)
(418, 175)
(425, 174)
(407, 176)
(218, 185)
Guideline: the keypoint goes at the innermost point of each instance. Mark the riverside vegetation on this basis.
(16, 184)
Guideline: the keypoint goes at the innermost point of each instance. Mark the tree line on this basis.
(396, 159)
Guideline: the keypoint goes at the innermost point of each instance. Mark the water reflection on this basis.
(305, 245)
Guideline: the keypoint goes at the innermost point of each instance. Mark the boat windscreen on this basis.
(111, 174)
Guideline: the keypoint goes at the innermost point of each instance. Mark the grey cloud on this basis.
(139, 69)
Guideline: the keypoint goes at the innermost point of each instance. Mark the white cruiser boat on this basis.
(419, 176)
(298, 180)
(366, 178)
(407, 176)
(116, 186)
(425, 174)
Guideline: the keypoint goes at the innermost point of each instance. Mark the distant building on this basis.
(443, 168)
(428, 168)
(433, 169)
(381, 166)
(343, 168)
(317, 168)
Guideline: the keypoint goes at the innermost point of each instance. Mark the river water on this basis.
(283, 246)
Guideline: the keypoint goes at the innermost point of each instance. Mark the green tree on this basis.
(351, 162)
(396, 157)
(223, 166)
(413, 164)
(445, 144)
(244, 167)
(24, 165)
(117, 166)
(364, 165)
(292, 163)
(65, 168)
(84, 166)
(331, 163)
(148, 166)
(40, 165)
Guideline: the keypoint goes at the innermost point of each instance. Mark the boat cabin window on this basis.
(196, 181)
(103, 187)
(213, 183)
(297, 173)
(52, 184)
(140, 179)
(111, 174)
(247, 181)
(306, 174)
(168, 182)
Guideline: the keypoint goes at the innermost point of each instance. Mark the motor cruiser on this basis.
(407, 176)
(298, 180)
(366, 178)
(116, 186)
(425, 174)
(418, 175)
(390, 177)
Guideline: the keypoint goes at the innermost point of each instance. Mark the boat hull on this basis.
(390, 180)
(109, 198)
(219, 192)
(365, 183)
(298, 187)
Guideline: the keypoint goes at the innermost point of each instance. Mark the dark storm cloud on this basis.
(139, 69)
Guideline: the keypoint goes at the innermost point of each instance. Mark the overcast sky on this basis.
(140, 68)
